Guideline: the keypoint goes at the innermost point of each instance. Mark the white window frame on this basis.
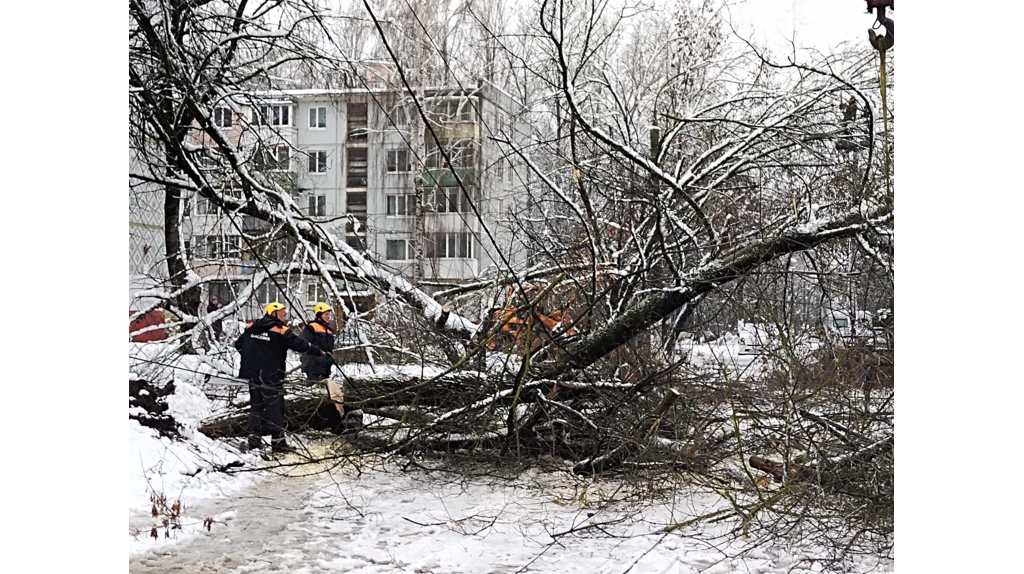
(270, 115)
(452, 243)
(315, 163)
(407, 250)
(315, 293)
(221, 247)
(267, 292)
(231, 247)
(275, 160)
(204, 206)
(397, 154)
(317, 205)
(314, 118)
(219, 113)
(400, 116)
(402, 202)
(440, 200)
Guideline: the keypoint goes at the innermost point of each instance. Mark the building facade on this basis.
(414, 197)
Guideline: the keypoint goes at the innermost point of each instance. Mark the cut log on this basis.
(777, 470)
(317, 413)
(388, 393)
(443, 317)
(335, 394)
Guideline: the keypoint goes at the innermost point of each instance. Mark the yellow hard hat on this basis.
(271, 308)
(320, 308)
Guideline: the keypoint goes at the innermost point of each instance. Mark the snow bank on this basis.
(188, 470)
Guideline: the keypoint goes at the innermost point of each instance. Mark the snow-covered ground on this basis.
(383, 519)
(391, 521)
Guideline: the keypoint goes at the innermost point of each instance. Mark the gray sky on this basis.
(819, 24)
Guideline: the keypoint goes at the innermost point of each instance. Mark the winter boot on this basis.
(255, 443)
(279, 446)
(352, 421)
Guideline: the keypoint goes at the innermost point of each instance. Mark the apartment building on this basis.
(350, 160)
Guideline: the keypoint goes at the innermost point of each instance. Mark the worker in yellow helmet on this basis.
(264, 345)
(320, 334)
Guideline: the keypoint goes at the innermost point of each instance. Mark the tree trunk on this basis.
(727, 268)
(188, 301)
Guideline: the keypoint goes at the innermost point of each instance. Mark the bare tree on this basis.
(674, 179)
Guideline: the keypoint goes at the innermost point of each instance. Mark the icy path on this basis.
(411, 522)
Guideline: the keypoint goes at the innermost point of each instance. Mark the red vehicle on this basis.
(149, 319)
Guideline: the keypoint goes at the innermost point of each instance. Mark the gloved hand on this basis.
(329, 357)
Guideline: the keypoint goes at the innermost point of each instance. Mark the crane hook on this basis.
(881, 43)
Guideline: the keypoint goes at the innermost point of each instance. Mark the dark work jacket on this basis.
(264, 345)
(321, 336)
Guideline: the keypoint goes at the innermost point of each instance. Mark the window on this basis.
(279, 249)
(400, 116)
(213, 245)
(399, 250)
(315, 293)
(206, 207)
(317, 205)
(398, 160)
(318, 118)
(318, 161)
(453, 109)
(400, 205)
(449, 200)
(449, 245)
(274, 158)
(222, 117)
(274, 115)
(268, 292)
(356, 167)
(221, 246)
(224, 291)
(462, 154)
(231, 247)
(357, 122)
(355, 242)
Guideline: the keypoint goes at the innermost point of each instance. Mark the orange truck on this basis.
(515, 326)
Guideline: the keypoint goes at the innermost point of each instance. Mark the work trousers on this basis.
(266, 410)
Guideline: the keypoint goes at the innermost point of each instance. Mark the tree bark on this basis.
(723, 270)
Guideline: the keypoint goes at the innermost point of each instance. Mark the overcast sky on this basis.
(819, 24)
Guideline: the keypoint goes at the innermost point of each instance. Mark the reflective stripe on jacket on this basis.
(264, 345)
(320, 335)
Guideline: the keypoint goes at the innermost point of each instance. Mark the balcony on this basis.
(445, 177)
(453, 131)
